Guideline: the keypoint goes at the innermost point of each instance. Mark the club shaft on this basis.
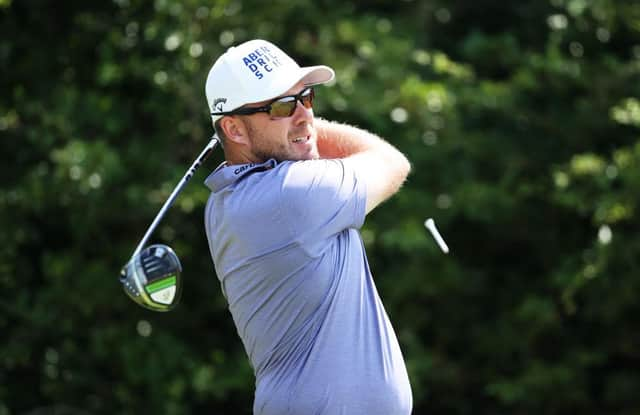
(202, 157)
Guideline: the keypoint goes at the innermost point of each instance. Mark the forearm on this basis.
(337, 140)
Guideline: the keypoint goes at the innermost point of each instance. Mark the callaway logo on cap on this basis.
(256, 71)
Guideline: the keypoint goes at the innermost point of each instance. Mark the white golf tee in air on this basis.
(431, 225)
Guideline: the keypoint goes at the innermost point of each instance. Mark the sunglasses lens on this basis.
(283, 108)
(307, 98)
(286, 106)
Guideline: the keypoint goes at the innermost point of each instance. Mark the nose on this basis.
(302, 114)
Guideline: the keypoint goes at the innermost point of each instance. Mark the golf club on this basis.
(152, 276)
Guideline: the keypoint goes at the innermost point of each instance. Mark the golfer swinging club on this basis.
(282, 223)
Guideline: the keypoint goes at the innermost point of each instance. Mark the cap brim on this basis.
(310, 75)
(314, 75)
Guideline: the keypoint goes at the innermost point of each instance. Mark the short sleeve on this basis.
(320, 199)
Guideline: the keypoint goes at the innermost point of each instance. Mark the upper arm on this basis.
(322, 198)
(383, 171)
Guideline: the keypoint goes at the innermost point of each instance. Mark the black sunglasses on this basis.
(278, 108)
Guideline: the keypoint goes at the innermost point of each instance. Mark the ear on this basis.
(234, 129)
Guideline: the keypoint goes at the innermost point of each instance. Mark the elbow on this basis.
(401, 169)
(404, 167)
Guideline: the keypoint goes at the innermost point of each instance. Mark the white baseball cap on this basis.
(256, 71)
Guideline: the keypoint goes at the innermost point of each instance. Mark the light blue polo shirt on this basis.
(286, 248)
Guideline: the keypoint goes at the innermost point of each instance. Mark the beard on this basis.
(266, 148)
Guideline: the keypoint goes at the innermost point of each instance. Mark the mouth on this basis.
(301, 140)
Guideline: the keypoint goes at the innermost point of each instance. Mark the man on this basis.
(282, 224)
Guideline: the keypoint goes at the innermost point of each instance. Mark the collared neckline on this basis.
(225, 175)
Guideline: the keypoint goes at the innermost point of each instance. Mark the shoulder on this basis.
(314, 185)
(296, 175)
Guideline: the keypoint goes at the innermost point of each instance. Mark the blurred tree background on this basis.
(521, 119)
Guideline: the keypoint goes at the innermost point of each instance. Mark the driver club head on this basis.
(152, 278)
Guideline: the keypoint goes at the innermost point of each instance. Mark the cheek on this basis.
(267, 139)
(270, 134)
(278, 132)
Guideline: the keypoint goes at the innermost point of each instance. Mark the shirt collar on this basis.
(225, 175)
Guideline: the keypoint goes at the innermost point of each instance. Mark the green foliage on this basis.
(521, 121)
